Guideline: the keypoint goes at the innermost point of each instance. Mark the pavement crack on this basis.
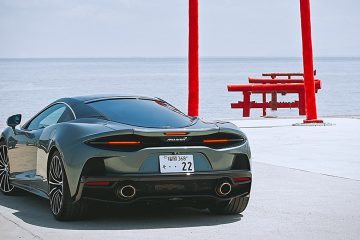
(308, 171)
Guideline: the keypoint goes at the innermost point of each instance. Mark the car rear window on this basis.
(142, 112)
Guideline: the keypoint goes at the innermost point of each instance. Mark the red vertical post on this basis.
(264, 104)
(193, 58)
(308, 62)
(246, 107)
(302, 110)
(273, 103)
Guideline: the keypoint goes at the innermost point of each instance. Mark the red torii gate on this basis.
(308, 62)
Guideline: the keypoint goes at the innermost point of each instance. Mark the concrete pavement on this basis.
(305, 186)
(285, 204)
(330, 150)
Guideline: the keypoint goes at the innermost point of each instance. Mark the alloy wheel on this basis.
(5, 185)
(56, 185)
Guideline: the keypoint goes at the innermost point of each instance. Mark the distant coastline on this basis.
(355, 58)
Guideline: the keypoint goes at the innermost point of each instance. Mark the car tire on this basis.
(61, 204)
(233, 206)
(5, 184)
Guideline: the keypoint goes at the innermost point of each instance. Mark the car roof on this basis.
(91, 98)
(82, 110)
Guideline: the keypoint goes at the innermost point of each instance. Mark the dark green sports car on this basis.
(124, 150)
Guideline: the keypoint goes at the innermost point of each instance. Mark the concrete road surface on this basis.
(306, 185)
(285, 204)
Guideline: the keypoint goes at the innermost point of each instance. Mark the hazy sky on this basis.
(158, 28)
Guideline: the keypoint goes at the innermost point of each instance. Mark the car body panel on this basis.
(29, 151)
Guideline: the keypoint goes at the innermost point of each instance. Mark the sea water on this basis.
(28, 85)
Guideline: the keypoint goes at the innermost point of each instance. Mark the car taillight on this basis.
(176, 133)
(135, 142)
(216, 140)
(241, 179)
(98, 183)
(123, 143)
(126, 142)
(222, 140)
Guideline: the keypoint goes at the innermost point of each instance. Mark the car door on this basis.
(23, 158)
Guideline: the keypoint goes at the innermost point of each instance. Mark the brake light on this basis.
(100, 183)
(216, 140)
(241, 179)
(124, 143)
(176, 133)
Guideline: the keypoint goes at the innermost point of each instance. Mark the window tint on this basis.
(67, 116)
(142, 112)
(48, 117)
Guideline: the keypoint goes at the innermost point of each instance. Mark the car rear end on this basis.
(187, 165)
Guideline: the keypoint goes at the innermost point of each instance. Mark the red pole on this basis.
(193, 98)
(309, 83)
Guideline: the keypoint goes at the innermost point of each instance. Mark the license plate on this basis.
(176, 163)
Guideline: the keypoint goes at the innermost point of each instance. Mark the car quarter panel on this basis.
(69, 139)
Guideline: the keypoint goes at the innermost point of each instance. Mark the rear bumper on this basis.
(195, 186)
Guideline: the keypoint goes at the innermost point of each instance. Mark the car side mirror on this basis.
(14, 120)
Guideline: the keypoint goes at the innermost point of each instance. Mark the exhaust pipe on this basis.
(127, 191)
(223, 189)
